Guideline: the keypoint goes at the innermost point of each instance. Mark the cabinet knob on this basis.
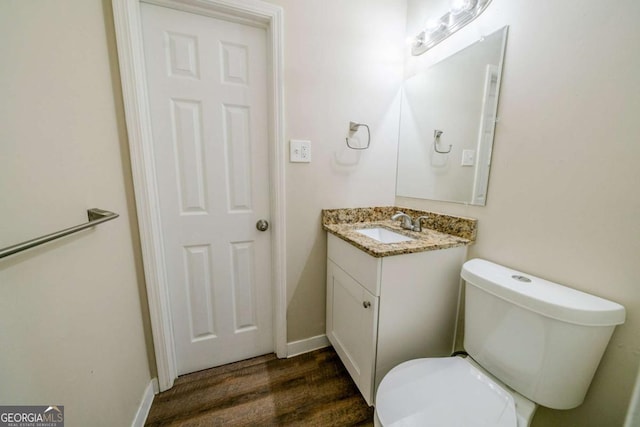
(366, 304)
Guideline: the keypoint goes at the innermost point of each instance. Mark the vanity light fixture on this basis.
(460, 14)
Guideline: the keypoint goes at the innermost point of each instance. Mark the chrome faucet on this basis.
(417, 223)
(408, 223)
(406, 220)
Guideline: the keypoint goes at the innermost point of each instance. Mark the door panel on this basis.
(207, 85)
(238, 146)
(186, 117)
(197, 280)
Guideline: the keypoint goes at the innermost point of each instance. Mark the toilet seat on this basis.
(448, 391)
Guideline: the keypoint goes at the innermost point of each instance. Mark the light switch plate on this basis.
(299, 151)
(468, 157)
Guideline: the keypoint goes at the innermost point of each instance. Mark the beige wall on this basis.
(70, 312)
(562, 202)
(343, 62)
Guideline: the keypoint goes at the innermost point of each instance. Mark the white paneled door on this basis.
(207, 84)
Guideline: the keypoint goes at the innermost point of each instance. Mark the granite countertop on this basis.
(438, 232)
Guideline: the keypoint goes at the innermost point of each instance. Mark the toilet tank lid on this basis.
(541, 296)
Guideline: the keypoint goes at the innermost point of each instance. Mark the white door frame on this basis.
(128, 28)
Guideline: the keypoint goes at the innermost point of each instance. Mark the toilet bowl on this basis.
(522, 334)
(448, 391)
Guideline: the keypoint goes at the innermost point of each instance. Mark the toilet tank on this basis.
(540, 338)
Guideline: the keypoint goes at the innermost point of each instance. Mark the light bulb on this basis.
(458, 6)
(433, 25)
(416, 41)
(410, 41)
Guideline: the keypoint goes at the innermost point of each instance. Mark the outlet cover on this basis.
(468, 157)
(299, 151)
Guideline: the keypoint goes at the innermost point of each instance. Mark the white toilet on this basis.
(529, 342)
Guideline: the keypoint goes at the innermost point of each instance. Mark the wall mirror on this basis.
(447, 122)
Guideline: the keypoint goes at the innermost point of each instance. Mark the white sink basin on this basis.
(383, 235)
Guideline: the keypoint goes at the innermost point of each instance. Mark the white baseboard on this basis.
(306, 345)
(145, 405)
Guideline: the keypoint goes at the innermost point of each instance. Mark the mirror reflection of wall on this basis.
(456, 99)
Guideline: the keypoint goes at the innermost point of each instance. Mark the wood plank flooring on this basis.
(313, 389)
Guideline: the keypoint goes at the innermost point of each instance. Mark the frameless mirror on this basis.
(447, 123)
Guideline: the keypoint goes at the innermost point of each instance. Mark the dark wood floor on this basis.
(313, 389)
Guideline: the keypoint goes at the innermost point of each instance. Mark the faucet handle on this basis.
(406, 220)
(417, 223)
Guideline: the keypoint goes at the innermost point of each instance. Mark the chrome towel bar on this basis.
(96, 216)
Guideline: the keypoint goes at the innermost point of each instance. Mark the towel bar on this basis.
(96, 216)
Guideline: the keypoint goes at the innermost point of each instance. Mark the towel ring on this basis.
(436, 140)
(353, 127)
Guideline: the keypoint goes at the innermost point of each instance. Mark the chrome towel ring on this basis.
(436, 140)
(353, 127)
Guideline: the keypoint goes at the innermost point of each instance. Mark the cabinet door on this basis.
(352, 319)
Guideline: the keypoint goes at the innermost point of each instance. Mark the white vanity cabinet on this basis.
(387, 310)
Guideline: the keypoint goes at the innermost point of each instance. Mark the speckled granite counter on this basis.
(438, 232)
